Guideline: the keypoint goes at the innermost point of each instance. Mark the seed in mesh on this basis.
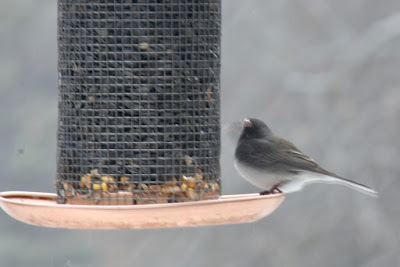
(139, 94)
(190, 187)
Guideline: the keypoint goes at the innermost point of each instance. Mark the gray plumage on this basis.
(271, 162)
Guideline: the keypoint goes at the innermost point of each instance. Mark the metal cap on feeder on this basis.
(139, 119)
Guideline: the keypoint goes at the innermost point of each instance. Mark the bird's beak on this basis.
(246, 123)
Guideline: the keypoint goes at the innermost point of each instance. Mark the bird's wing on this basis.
(257, 153)
(291, 149)
(297, 160)
(281, 154)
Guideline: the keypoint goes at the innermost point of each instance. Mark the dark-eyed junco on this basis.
(275, 164)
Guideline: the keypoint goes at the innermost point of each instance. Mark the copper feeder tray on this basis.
(41, 209)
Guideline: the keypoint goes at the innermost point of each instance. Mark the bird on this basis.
(277, 165)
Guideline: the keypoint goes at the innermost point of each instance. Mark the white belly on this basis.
(263, 180)
(293, 182)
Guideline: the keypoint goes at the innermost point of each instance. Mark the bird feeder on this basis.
(139, 120)
(139, 102)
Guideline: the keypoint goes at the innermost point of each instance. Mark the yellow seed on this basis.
(209, 94)
(188, 160)
(96, 187)
(204, 185)
(199, 176)
(94, 172)
(130, 187)
(191, 193)
(155, 188)
(214, 186)
(175, 189)
(184, 187)
(125, 179)
(184, 178)
(192, 182)
(166, 189)
(86, 181)
(67, 186)
(173, 181)
(104, 186)
(108, 179)
(112, 187)
(171, 189)
(144, 187)
(144, 46)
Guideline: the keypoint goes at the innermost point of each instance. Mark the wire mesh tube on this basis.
(139, 102)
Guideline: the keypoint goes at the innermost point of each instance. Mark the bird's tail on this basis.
(357, 186)
(305, 178)
(332, 177)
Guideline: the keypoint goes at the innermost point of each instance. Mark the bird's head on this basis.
(254, 128)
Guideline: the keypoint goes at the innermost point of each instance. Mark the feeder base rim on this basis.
(41, 209)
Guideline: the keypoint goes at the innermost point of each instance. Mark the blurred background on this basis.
(323, 74)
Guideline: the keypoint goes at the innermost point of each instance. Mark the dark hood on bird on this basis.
(254, 128)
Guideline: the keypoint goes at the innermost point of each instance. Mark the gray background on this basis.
(324, 74)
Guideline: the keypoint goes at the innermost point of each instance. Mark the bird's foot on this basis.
(275, 189)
